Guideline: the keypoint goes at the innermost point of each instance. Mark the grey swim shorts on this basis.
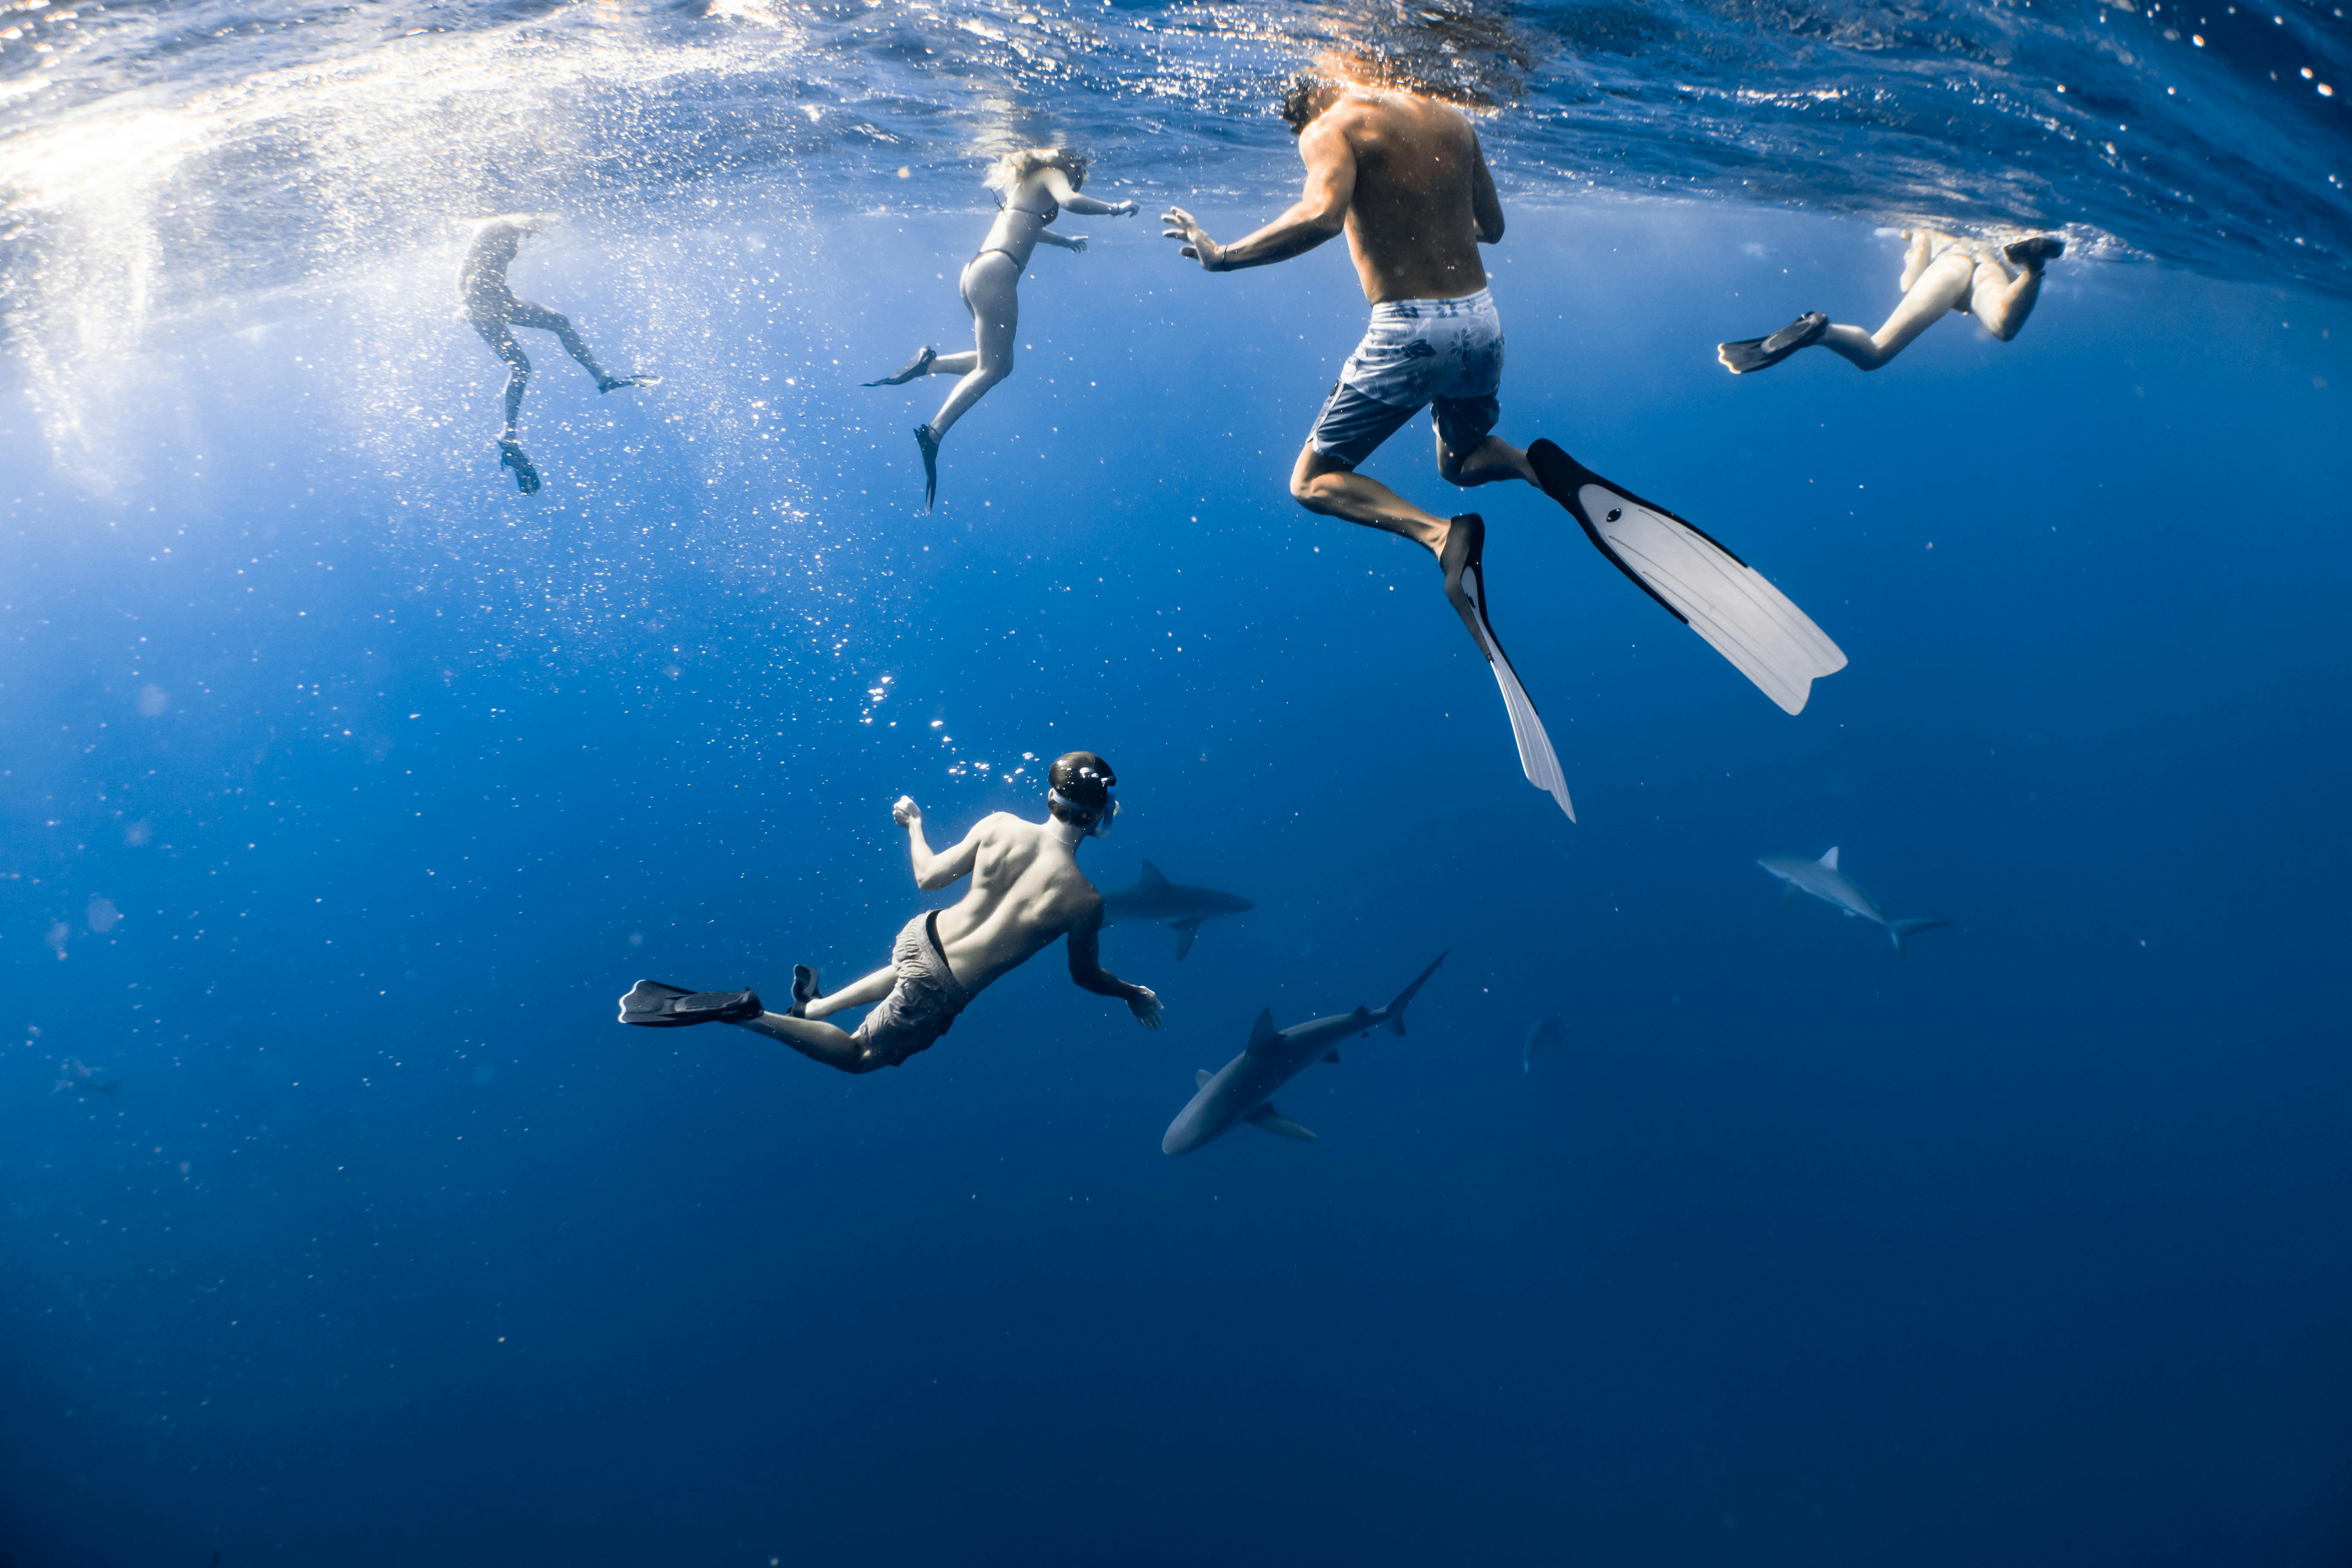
(1446, 354)
(923, 1002)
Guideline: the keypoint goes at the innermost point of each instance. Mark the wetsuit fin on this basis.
(659, 1007)
(2034, 250)
(1763, 353)
(1702, 584)
(615, 382)
(513, 456)
(929, 444)
(1465, 586)
(919, 366)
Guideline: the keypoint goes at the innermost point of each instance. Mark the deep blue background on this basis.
(2026, 1248)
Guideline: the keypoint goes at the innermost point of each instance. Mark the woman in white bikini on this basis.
(1996, 284)
(1034, 185)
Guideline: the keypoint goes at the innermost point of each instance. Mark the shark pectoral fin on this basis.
(1186, 931)
(1151, 877)
(1201, 1076)
(1262, 1033)
(1266, 1117)
(1789, 891)
(1332, 1055)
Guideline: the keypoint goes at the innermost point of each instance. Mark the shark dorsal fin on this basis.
(1201, 1076)
(1262, 1033)
(1151, 877)
(1830, 859)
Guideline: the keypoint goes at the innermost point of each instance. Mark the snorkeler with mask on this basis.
(494, 311)
(1996, 284)
(1032, 186)
(1026, 889)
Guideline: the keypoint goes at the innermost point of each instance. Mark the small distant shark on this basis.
(1156, 900)
(86, 1081)
(1823, 879)
(1243, 1091)
(1547, 1032)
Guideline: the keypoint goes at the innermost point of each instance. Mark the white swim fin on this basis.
(1465, 586)
(1704, 587)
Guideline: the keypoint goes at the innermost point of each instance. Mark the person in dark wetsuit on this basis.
(1037, 185)
(494, 311)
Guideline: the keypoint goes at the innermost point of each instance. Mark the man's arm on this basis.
(1319, 212)
(933, 872)
(1087, 972)
(1486, 206)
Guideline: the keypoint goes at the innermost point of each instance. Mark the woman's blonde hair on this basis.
(1015, 167)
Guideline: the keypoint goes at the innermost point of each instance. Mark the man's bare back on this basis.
(1026, 891)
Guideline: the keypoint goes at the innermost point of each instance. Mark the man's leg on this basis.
(823, 1042)
(503, 344)
(1330, 485)
(1943, 284)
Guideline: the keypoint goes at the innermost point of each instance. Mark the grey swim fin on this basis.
(655, 1005)
(929, 444)
(1465, 585)
(1702, 584)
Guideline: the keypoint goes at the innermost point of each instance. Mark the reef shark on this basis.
(1244, 1090)
(1156, 900)
(1823, 879)
(87, 1081)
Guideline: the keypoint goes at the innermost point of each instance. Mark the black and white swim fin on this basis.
(655, 1005)
(1763, 353)
(1702, 584)
(1465, 586)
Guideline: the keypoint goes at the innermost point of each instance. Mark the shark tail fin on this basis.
(1900, 932)
(1395, 1011)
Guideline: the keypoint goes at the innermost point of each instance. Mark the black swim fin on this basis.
(2034, 250)
(929, 446)
(1463, 559)
(513, 456)
(615, 384)
(806, 988)
(919, 366)
(1763, 353)
(659, 1007)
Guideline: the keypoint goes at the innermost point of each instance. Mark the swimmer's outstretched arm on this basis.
(1084, 205)
(1067, 241)
(1088, 975)
(933, 872)
(1320, 213)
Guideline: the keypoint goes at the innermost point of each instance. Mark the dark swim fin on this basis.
(1702, 584)
(615, 382)
(1463, 559)
(659, 1007)
(2034, 250)
(929, 444)
(513, 456)
(919, 366)
(1763, 353)
(806, 988)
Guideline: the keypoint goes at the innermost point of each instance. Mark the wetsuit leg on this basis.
(524, 313)
(503, 343)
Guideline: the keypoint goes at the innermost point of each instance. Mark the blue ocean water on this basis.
(344, 788)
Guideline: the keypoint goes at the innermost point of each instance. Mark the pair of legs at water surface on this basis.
(1996, 284)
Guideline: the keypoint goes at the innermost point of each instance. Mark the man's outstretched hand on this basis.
(1145, 1006)
(1197, 245)
(905, 813)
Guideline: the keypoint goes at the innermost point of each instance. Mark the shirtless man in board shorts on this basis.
(1403, 177)
(1026, 889)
